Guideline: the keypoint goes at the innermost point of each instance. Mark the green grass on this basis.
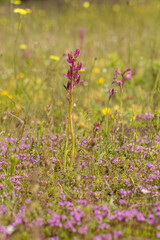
(33, 101)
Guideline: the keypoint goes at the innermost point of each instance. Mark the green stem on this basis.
(66, 147)
(121, 109)
(70, 128)
(71, 123)
(107, 119)
(15, 52)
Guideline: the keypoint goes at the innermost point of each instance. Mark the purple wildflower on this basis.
(111, 92)
(73, 73)
(126, 75)
(117, 234)
(55, 221)
(83, 230)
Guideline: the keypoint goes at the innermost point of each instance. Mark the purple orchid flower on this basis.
(126, 75)
(111, 92)
(73, 73)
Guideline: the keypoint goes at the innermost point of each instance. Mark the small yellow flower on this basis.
(106, 111)
(22, 11)
(16, 2)
(83, 70)
(116, 108)
(116, 8)
(21, 75)
(96, 70)
(86, 4)
(100, 80)
(82, 124)
(6, 93)
(55, 58)
(23, 46)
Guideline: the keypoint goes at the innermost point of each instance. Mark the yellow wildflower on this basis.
(23, 46)
(86, 4)
(116, 8)
(82, 124)
(55, 58)
(21, 75)
(96, 70)
(22, 11)
(6, 93)
(82, 70)
(100, 80)
(116, 108)
(106, 111)
(16, 2)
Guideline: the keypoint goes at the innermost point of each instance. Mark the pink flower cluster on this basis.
(126, 75)
(73, 73)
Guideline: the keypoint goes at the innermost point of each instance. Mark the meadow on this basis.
(79, 120)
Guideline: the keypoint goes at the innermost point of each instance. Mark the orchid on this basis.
(126, 75)
(74, 79)
(73, 73)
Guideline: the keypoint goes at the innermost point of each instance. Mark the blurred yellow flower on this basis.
(21, 75)
(116, 8)
(86, 4)
(16, 2)
(75, 117)
(22, 11)
(82, 70)
(82, 124)
(96, 70)
(6, 93)
(106, 111)
(23, 46)
(116, 108)
(100, 80)
(55, 58)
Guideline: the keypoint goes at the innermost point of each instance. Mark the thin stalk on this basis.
(15, 52)
(107, 128)
(70, 129)
(67, 135)
(121, 109)
(71, 122)
(107, 118)
(66, 147)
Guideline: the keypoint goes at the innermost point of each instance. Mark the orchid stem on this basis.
(66, 147)
(71, 123)
(121, 109)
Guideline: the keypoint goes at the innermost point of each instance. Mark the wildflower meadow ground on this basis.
(79, 120)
